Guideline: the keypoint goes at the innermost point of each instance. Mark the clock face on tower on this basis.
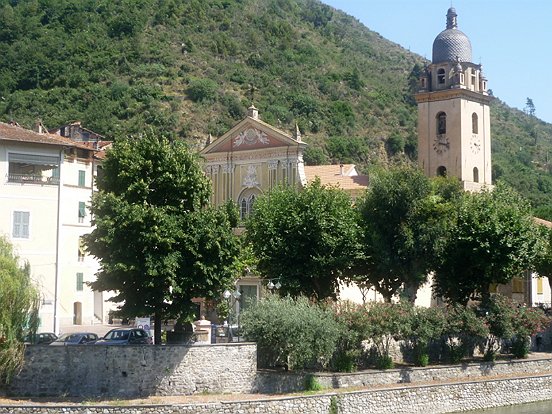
(475, 145)
(441, 143)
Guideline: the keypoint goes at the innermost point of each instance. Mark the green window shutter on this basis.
(82, 209)
(80, 281)
(82, 178)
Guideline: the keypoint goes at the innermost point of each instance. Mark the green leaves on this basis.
(20, 301)
(158, 243)
(491, 238)
(304, 238)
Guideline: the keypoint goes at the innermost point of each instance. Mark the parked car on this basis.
(77, 338)
(125, 336)
(42, 338)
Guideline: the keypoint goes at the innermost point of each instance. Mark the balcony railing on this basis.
(32, 179)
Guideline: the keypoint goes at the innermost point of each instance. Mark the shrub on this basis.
(526, 322)
(293, 333)
(386, 322)
(202, 90)
(425, 325)
(463, 331)
(312, 383)
(385, 362)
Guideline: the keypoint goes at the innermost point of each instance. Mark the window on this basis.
(82, 178)
(21, 224)
(82, 211)
(80, 282)
(475, 123)
(441, 76)
(475, 175)
(441, 123)
(81, 251)
(540, 288)
(33, 169)
(442, 171)
(246, 205)
(517, 285)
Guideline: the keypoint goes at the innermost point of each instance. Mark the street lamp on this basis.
(273, 286)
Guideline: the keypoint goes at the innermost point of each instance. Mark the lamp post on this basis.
(232, 298)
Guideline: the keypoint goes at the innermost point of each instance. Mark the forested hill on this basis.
(192, 67)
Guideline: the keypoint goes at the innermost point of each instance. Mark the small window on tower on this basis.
(475, 123)
(441, 76)
(442, 171)
(441, 123)
(475, 175)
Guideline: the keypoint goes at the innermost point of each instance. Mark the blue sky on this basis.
(512, 39)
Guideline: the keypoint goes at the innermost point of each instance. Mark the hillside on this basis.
(190, 68)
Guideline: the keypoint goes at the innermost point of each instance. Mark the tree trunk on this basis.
(157, 327)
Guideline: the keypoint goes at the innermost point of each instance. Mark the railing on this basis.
(32, 179)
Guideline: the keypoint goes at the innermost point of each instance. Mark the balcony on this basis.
(32, 179)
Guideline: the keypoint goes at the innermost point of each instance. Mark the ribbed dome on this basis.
(451, 44)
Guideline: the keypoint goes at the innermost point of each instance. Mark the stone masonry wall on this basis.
(437, 399)
(286, 382)
(131, 371)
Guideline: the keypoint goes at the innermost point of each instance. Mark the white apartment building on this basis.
(46, 182)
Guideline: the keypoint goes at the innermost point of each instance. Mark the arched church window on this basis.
(475, 123)
(250, 204)
(243, 208)
(246, 202)
(441, 76)
(441, 123)
(475, 175)
(442, 171)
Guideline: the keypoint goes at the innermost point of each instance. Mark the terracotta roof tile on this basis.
(331, 175)
(16, 133)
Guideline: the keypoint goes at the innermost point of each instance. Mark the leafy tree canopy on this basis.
(19, 311)
(401, 218)
(304, 238)
(491, 239)
(158, 243)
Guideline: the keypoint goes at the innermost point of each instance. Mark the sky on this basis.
(512, 39)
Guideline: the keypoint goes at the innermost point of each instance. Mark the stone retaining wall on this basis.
(437, 399)
(94, 371)
(285, 382)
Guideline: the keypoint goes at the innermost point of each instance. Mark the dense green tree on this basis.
(491, 239)
(543, 262)
(304, 238)
(20, 301)
(400, 219)
(158, 243)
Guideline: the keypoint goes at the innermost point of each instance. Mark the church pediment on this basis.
(251, 134)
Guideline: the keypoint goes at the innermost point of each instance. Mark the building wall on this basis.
(463, 149)
(54, 230)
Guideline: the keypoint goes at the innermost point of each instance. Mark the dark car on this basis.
(42, 338)
(125, 336)
(77, 338)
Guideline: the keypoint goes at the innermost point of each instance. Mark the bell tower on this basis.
(454, 134)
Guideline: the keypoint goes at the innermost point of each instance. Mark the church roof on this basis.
(451, 44)
(344, 177)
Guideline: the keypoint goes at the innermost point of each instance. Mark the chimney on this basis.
(341, 169)
(253, 112)
(39, 127)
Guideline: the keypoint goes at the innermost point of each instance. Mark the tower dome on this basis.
(451, 44)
